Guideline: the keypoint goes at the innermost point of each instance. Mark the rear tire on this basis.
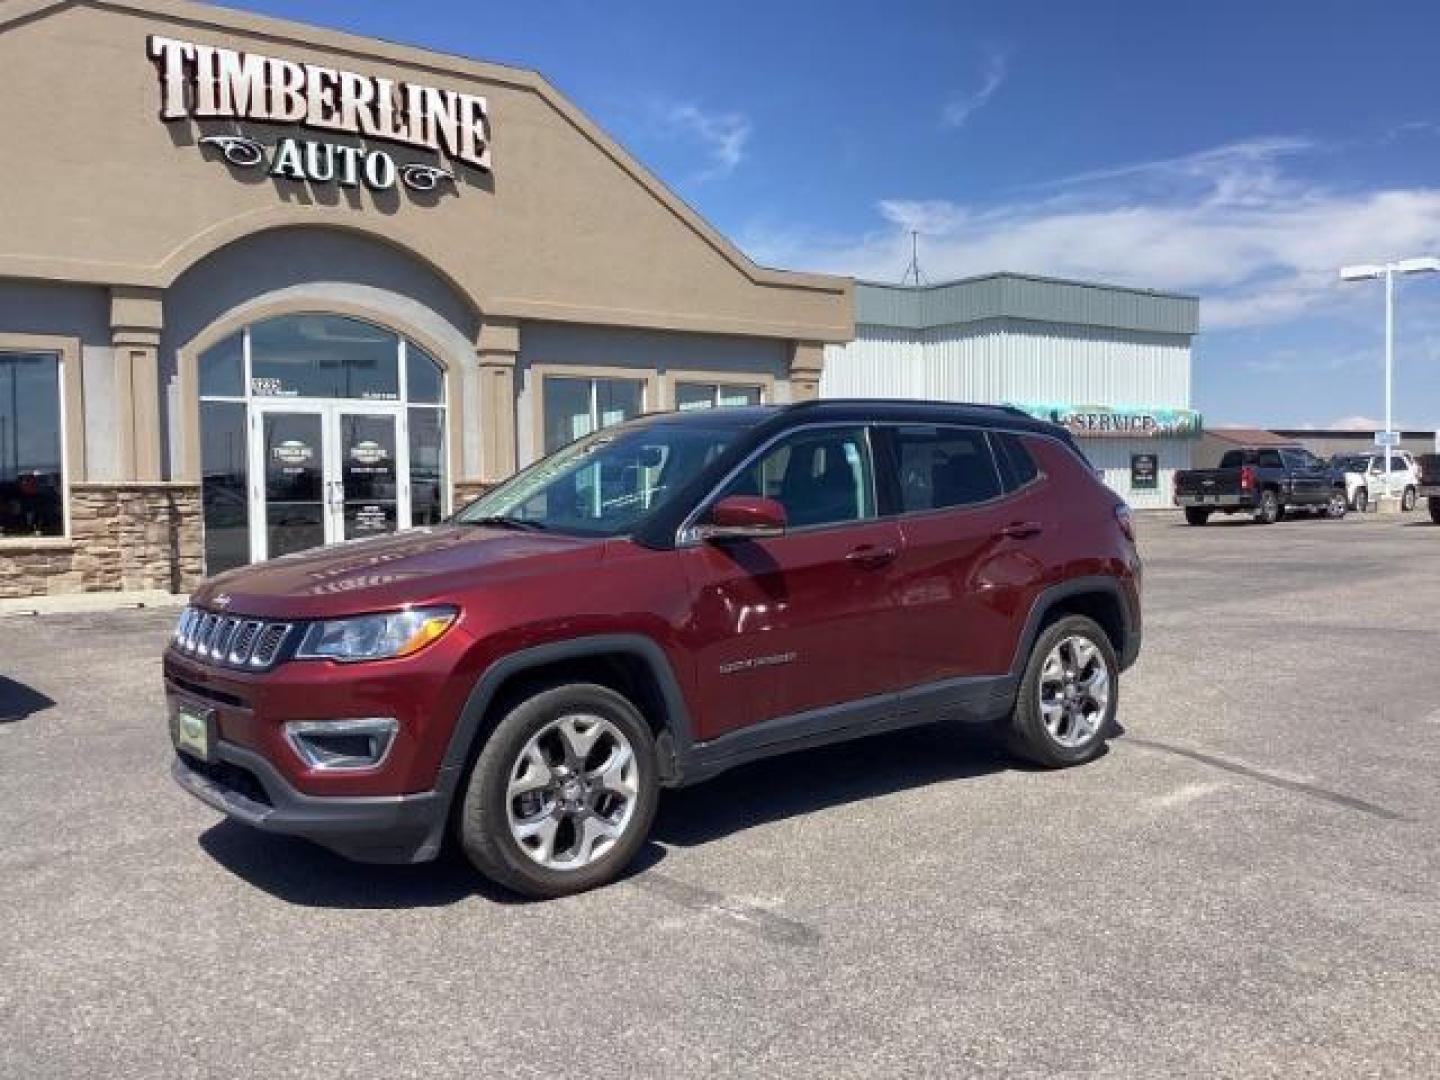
(569, 775)
(1435, 509)
(1362, 500)
(1337, 506)
(1060, 718)
(1268, 512)
(1194, 515)
(1408, 500)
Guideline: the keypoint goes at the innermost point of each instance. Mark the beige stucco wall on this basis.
(99, 189)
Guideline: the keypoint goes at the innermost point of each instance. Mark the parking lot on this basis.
(1245, 885)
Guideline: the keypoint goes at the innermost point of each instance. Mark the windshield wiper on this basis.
(500, 521)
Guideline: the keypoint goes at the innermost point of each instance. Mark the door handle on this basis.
(871, 557)
(1020, 530)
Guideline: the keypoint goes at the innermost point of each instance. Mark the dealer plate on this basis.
(192, 728)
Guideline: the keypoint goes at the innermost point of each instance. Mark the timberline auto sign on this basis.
(205, 82)
(1119, 423)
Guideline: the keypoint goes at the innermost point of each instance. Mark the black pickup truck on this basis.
(1429, 486)
(1265, 481)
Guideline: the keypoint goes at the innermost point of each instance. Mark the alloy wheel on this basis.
(572, 791)
(1074, 691)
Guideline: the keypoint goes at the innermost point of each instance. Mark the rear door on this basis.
(787, 624)
(972, 518)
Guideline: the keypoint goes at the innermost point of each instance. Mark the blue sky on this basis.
(1239, 151)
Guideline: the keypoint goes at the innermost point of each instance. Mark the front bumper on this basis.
(369, 828)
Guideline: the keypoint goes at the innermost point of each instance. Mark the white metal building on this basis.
(1112, 364)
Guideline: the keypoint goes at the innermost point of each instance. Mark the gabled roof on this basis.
(281, 32)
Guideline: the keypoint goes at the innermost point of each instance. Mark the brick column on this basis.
(136, 319)
(807, 360)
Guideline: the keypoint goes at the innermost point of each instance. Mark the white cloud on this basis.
(959, 109)
(721, 135)
(1259, 244)
(1358, 423)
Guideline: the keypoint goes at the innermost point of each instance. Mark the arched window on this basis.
(318, 379)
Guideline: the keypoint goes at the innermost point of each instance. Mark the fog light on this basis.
(337, 745)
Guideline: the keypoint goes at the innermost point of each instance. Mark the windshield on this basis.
(604, 484)
(1352, 464)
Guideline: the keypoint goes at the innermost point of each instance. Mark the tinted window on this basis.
(1017, 467)
(324, 356)
(31, 475)
(224, 485)
(1270, 459)
(222, 368)
(942, 467)
(1233, 459)
(820, 477)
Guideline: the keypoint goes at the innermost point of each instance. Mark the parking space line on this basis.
(748, 917)
(1350, 802)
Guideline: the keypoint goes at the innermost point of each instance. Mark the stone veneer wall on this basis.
(123, 536)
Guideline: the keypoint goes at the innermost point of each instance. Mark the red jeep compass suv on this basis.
(650, 605)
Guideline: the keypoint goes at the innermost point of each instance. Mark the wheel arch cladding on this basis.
(633, 666)
(1096, 598)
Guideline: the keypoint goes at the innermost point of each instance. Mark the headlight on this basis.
(375, 637)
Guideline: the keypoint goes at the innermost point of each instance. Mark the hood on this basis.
(420, 566)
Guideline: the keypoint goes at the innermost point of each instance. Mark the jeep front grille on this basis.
(230, 640)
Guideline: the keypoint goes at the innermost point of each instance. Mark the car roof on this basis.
(860, 411)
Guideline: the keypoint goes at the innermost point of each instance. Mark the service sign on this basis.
(1103, 421)
(206, 82)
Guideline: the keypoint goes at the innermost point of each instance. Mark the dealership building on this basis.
(1111, 364)
(264, 286)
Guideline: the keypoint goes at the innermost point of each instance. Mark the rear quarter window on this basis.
(1017, 467)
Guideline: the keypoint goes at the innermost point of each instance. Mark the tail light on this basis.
(1247, 477)
(1126, 520)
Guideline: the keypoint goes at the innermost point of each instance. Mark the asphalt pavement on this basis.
(1247, 884)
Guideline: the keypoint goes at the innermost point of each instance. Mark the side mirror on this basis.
(742, 517)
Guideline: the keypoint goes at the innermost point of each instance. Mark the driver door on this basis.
(783, 625)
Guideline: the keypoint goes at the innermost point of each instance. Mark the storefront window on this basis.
(222, 372)
(576, 407)
(424, 381)
(223, 485)
(427, 466)
(32, 471)
(714, 395)
(324, 356)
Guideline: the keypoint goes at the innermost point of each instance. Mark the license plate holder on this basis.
(192, 728)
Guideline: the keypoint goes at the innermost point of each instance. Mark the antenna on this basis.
(913, 270)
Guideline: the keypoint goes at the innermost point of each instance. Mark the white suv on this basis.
(1365, 477)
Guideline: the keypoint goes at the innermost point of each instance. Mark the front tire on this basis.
(1362, 500)
(1337, 506)
(1194, 515)
(1268, 512)
(1434, 502)
(1408, 500)
(1068, 695)
(563, 793)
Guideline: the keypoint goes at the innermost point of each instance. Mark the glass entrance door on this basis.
(327, 472)
(369, 495)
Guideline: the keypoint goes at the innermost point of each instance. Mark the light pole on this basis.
(1366, 272)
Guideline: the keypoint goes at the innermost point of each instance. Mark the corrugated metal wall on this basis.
(1009, 360)
(1012, 360)
(1112, 458)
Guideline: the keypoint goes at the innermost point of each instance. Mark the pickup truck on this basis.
(1428, 487)
(1264, 481)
